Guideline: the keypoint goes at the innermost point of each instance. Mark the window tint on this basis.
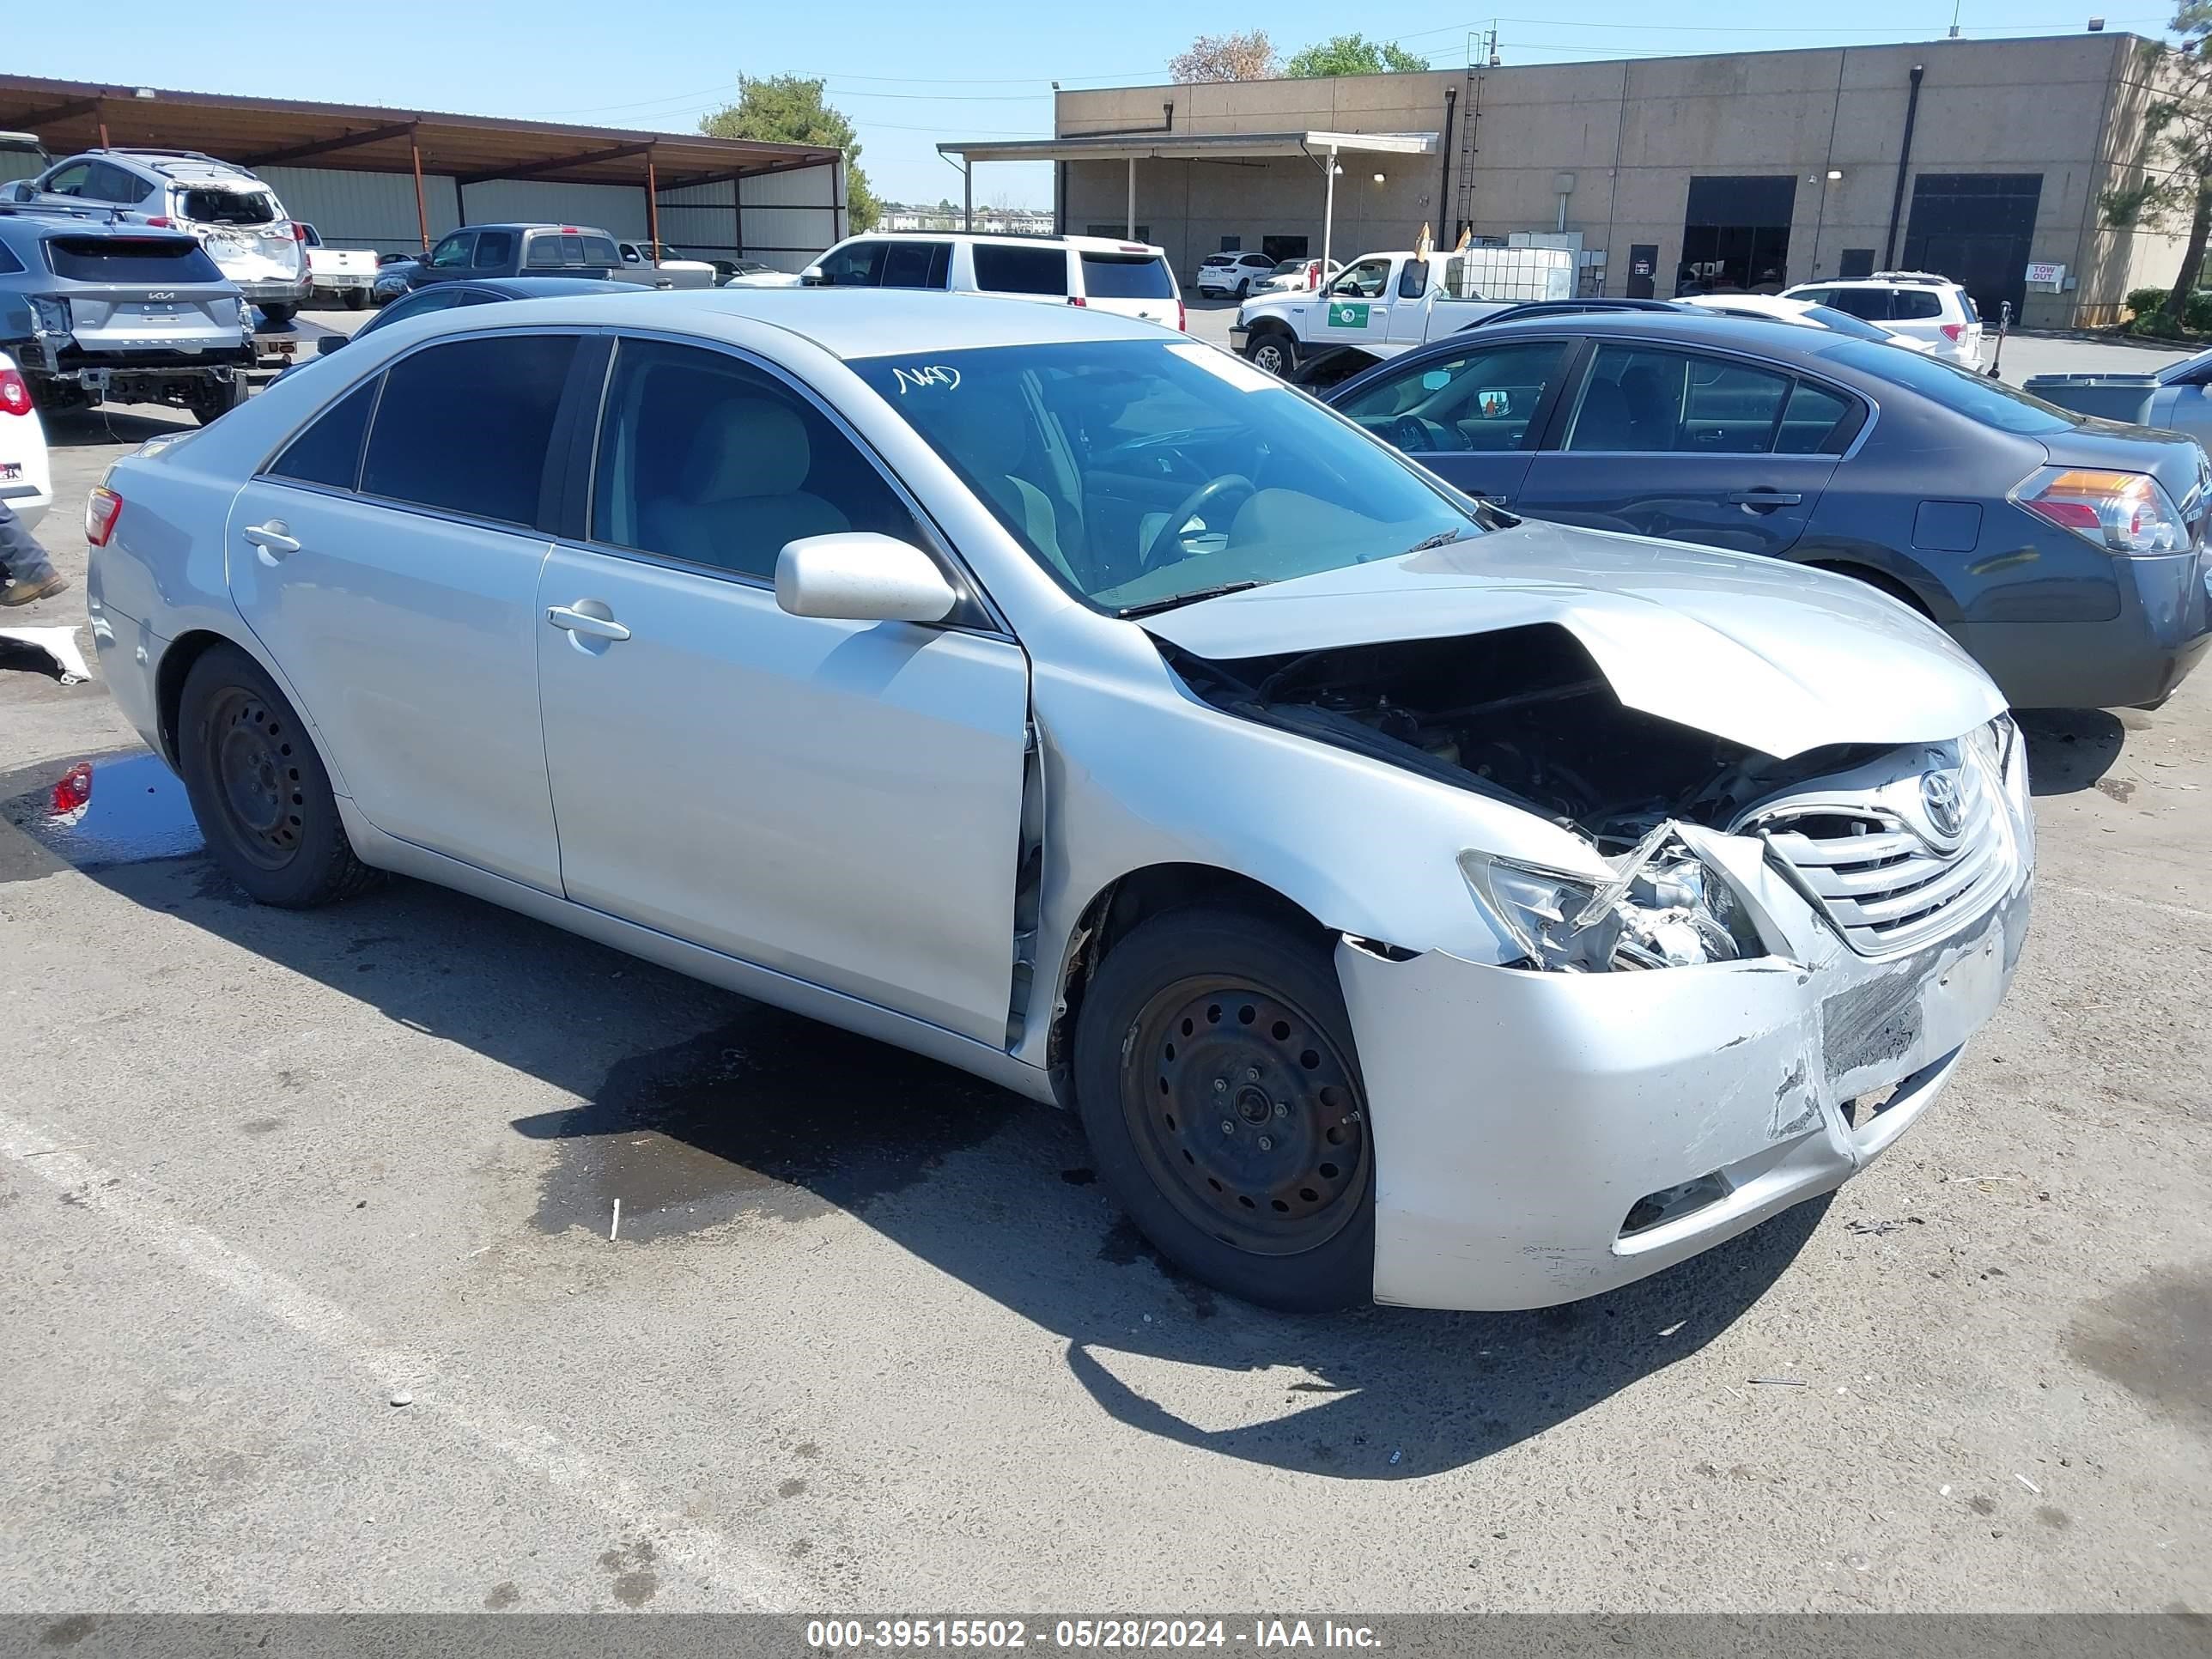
(1003, 270)
(69, 180)
(543, 253)
(917, 265)
(329, 451)
(1813, 296)
(1484, 400)
(494, 248)
(9, 264)
(597, 251)
(1413, 280)
(1670, 401)
(858, 264)
(173, 258)
(1131, 276)
(439, 296)
(1915, 304)
(1811, 418)
(706, 459)
(1990, 402)
(464, 426)
(453, 251)
(229, 207)
(111, 184)
(311, 236)
(1871, 303)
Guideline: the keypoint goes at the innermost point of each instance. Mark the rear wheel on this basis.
(1216, 1082)
(1244, 288)
(277, 316)
(211, 402)
(258, 788)
(356, 298)
(1274, 351)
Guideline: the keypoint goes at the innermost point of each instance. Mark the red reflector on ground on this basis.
(75, 788)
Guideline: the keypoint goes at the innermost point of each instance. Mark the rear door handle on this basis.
(583, 622)
(274, 538)
(1766, 497)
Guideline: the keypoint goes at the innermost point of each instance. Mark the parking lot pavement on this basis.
(869, 1335)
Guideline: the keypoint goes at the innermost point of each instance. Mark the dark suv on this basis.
(520, 251)
(92, 309)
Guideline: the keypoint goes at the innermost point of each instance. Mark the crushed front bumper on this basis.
(1540, 1137)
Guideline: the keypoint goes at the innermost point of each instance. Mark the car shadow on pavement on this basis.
(759, 1117)
(2069, 748)
(82, 428)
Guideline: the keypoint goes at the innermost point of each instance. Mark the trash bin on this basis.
(2114, 397)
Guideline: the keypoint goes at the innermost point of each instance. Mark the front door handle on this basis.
(1756, 499)
(274, 538)
(577, 620)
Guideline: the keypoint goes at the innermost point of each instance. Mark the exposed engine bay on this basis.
(1523, 715)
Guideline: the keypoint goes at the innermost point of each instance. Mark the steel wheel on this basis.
(252, 757)
(1246, 1116)
(1268, 353)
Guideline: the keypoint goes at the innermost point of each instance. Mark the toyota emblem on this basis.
(1939, 797)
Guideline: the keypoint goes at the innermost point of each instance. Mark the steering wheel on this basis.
(1417, 436)
(1213, 489)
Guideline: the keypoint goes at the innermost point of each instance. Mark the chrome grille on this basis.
(1880, 869)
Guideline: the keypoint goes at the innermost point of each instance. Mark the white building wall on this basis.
(618, 209)
(365, 209)
(700, 220)
(789, 218)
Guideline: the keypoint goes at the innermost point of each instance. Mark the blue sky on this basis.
(908, 75)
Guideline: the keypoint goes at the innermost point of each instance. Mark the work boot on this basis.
(33, 584)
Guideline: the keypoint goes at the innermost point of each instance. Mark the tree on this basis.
(1355, 54)
(1225, 57)
(2176, 152)
(788, 109)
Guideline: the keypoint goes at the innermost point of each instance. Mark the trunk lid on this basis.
(122, 298)
(1773, 656)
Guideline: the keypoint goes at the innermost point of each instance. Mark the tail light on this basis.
(1955, 333)
(298, 231)
(1077, 299)
(161, 221)
(102, 509)
(15, 395)
(2123, 513)
(1182, 319)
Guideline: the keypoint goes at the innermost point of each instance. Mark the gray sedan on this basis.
(1413, 906)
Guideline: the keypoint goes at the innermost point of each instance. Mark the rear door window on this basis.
(1915, 305)
(108, 183)
(917, 265)
(1869, 304)
(328, 451)
(493, 249)
(1644, 401)
(1003, 269)
(164, 259)
(464, 426)
(1126, 276)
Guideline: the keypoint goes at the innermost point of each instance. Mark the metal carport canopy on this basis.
(1164, 144)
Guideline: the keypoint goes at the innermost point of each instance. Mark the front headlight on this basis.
(1663, 908)
(49, 316)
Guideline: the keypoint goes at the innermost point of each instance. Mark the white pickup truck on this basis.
(348, 273)
(1382, 304)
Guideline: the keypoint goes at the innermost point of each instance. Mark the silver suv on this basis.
(235, 215)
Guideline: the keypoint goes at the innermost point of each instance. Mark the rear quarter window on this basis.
(1979, 398)
(1126, 276)
(1001, 269)
(162, 259)
(328, 451)
(9, 264)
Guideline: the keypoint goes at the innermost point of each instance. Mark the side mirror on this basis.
(330, 343)
(812, 277)
(21, 192)
(859, 576)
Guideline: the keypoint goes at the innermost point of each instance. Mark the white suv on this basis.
(1130, 279)
(236, 216)
(1914, 303)
(1234, 274)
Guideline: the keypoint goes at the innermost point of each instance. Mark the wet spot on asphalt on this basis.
(2119, 789)
(790, 1488)
(2154, 1338)
(262, 1126)
(635, 1583)
(1983, 1505)
(770, 1114)
(502, 1595)
(125, 808)
(2053, 1517)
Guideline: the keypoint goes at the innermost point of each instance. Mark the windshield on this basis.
(1136, 472)
(2186, 371)
(1290, 268)
(1990, 402)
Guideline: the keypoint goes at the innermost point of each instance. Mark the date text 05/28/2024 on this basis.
(1010, 1635)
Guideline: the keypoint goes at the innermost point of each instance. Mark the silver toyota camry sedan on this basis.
(1417, 905)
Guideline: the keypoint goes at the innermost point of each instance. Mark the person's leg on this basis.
(31, 575)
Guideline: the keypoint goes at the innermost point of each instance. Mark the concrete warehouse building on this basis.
(397, 180)
(1976, 158)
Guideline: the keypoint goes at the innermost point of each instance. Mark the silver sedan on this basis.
(1415, 904)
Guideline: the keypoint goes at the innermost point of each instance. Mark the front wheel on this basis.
(1217, 1085)
(258, 788)
(1274, 352)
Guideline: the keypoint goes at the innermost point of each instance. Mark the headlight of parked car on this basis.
(1663, 908)
(49, 316)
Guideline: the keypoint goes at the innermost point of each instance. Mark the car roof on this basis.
(569, 225)
(846, 322)
(526, 287)
(1901, 280)
(1687, 327)
(1081, 244)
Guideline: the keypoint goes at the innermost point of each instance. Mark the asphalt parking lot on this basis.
(311, 1303)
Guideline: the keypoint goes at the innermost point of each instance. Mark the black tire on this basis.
(1202, 1017)
(277, 316)
(356, 298)
(211, 402)
(258, 788)
(1244, 289)
(1275, 350)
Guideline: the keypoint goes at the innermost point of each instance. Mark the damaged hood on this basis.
(1768, 654)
